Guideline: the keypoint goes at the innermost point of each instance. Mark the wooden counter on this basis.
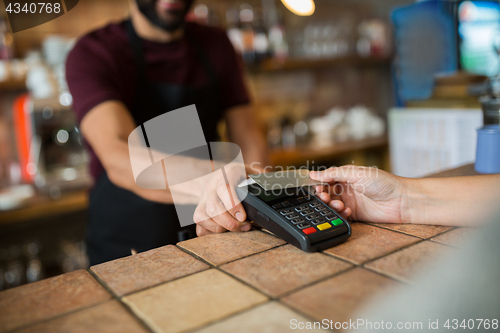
(231, 282)
(42, 206)
(303, 154)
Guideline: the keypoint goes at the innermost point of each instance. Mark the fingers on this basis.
(325, 197)
(228, 196)
(340, 208)
(346, 213)
(319, 188)
(211, 226)
(228, 222)
(337, 205)
(201, 231)
(213, 216)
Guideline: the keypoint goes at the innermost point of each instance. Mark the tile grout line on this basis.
(192, 254)
(312, 319)
(372, 224)
(408, 234)
(102, 283)
(394, 278)
(226, 318)
(41, 321)
(272, 298)
(279, 297)
(243, 282)
(403, 280)
(119, 299)
(392, 252)
(160, 284)
(233, 260)
(310, 284)
(381, 256)
(441, 243)
(238, 312)
(250, 255)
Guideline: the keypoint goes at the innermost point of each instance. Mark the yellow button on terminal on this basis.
(324, 226)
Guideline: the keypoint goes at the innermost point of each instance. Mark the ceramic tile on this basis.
(368, 242)
(420, 230)
(340, 297)
(221, 248)
(283, 269)
(192, 301)
(41, 300)
(147, 269)
(404, 264)
(456, 237)
(109, 317)
(271, 317)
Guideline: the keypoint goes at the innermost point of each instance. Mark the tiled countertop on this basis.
(231, 282)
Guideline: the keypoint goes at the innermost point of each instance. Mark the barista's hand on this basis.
(364, 194)
(219, 209)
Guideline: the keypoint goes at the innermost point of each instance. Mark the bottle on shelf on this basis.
(6, 41)
(247, 33)
(261, 40)
(233, 30)
(277, 41)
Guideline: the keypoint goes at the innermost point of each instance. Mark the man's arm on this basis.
(243, 130)
(106, 128)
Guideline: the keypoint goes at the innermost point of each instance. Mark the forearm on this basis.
(244, 131)
(118, 166)
(463, 201)
(256, 157)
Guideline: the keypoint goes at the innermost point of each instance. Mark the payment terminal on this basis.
(296, 216)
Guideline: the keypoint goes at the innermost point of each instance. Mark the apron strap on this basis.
(135, 42)
(202, 56)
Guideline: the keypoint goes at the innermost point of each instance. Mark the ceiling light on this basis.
(300, 7)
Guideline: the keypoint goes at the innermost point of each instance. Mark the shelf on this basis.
(13, 85)
(302, 154)
(41, 206)
(274, 65)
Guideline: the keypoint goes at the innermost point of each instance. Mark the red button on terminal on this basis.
(309, 230)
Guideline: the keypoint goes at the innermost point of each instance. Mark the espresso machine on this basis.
(50, 147)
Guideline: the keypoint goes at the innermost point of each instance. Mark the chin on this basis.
(165, 18)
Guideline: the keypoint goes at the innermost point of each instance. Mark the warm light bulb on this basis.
(300, 7)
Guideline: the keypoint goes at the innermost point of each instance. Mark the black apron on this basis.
(119, 220)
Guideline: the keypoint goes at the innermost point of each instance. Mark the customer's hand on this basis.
(219, 208)
(363, 194)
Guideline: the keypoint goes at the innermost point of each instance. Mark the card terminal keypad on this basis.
(308, 214)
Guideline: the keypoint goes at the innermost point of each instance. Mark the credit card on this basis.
(279, 180)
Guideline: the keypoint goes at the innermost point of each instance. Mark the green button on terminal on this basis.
(337, 222)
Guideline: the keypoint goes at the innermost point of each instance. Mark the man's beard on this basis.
(147, 8)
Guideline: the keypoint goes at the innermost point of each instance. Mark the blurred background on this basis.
(395, 84)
